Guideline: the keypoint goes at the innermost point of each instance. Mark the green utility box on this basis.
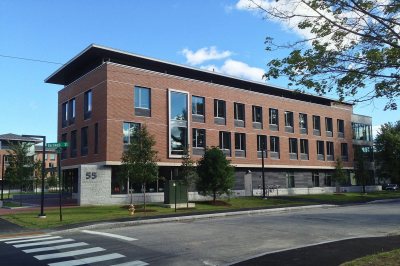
(172, 187)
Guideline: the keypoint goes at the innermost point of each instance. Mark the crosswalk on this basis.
(58, 251)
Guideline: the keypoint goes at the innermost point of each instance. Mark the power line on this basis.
(30, 59)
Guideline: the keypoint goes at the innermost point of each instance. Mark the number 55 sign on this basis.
(91, 175)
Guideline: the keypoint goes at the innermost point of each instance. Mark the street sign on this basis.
(57, 145)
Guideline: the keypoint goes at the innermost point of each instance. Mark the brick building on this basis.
(108, 93)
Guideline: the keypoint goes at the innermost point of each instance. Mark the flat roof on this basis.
(95, 55)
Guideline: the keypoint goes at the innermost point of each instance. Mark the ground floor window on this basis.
(290, 181)
(315, 179)
(328, 180)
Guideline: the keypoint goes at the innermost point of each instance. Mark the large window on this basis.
(304, 149)
(340, 126)
(87, 106)
(219, 108)
(71, 111)
(274, 146)
(289, 123)
(225, 142)
(315, 178)
(240, 145)
(128, 131)
(142, 101)
(198, 110)
(239, 111)
(320, 150)
(199, 138)
(64, 154)
(178, 108)
(261, 145)
(344, 150)
(257, 114)
(362, 131)
(64, 114)
(293, 148)
(329, 151)
(303, 123)
(73, 144)
(273, 119)
(316, 125)
(84, 141)
(329, 127)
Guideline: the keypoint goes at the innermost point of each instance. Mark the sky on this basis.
(222, 35)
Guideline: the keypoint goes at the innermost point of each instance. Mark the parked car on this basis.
(390, 187)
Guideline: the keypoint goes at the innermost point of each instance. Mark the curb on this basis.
(194, 217)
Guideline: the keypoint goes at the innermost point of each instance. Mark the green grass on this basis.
(11, 204)
(391, 258)
(101, 213)
(343, 198)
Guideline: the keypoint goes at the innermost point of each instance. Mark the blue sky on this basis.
(207, 34)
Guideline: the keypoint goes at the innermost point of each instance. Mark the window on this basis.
(225, 142)
(52, 156)
(73, 144)
(96, 138)
(315, 179)
(239, 111)
(273, 119)
(71, 111)
(84, 141)
(87, 107)
(320, 150)
(340, 126)
(64, 114)
(240, 145)
(178, 108)
(219, 109)
(257, 114)
(197, 105)
(303, 123)
(261, 145)
(46, 156)
(362, 131)
(329, 126)
(293, 148)
(290, 181)
(289, 122)
(274, 146)
(344, 151)
(199, 138)
(328, 180)
(142, 101)
(128, 130)
(64, 150)
(316, 125)
(304, 149)
(329, 151)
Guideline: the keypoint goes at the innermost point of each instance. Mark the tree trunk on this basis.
(187, 195)
(144, 197)
(214, 196)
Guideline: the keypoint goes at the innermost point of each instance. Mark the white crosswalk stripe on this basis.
(88, 260)
(132, 263)
(22, 237)
(73, 245)
(68, 253)
(32, 239)
(43, 243)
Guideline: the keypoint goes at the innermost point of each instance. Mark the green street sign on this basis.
(57, 145)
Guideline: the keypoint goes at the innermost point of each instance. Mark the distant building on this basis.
(109, 93)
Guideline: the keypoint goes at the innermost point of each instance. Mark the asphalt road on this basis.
(219, 241)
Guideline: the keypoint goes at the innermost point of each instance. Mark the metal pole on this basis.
(175, 194)
(2, 175)
(59, 179)
(42, 215)
(262, 171)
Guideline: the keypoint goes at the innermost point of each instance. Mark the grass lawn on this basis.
(391, 258)
(343, 198)
(101, 213)
(10, 204)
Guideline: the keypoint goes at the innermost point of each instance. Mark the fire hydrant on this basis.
(131, 209)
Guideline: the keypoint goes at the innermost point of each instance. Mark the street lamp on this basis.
(41, 215)
(174, 184)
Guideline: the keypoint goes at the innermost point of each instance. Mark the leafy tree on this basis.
(347, 46)
(187, 171)
(339, 175)
(37, 173)
(139, 161)
(387, 144)
(216, 175)
(52, 180)
(361, 172)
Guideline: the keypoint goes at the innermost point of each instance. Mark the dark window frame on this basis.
(88, 104)
(195, 138)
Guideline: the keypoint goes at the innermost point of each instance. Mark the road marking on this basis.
(88, 260)
(68, 253)
(25, 237)
(132, 263)
(32, 239)
(32, 250)
(109, 235)
(43, 243)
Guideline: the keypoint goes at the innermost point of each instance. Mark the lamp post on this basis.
(262, 172)
(2, 175)
(174, 184)
(41, 215)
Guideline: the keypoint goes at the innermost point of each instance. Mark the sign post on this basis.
(59, 146)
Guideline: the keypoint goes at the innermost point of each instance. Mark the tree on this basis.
(52, 180)
(339, 175)
(361, 172)
(139, 161)
(387, 145)
(187, 171)
(37, 173)
(347, 46)
(216, 175)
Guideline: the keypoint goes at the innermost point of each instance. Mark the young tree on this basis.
(139, 161)
(52, 180)
(351, 46)
(339, 175)
(361, 172)
(387, 144)
(187, 171)
(216, 175)
(37, 173)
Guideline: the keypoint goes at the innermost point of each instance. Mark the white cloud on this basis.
(204, 54)
(375, 130)
(238, 69)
